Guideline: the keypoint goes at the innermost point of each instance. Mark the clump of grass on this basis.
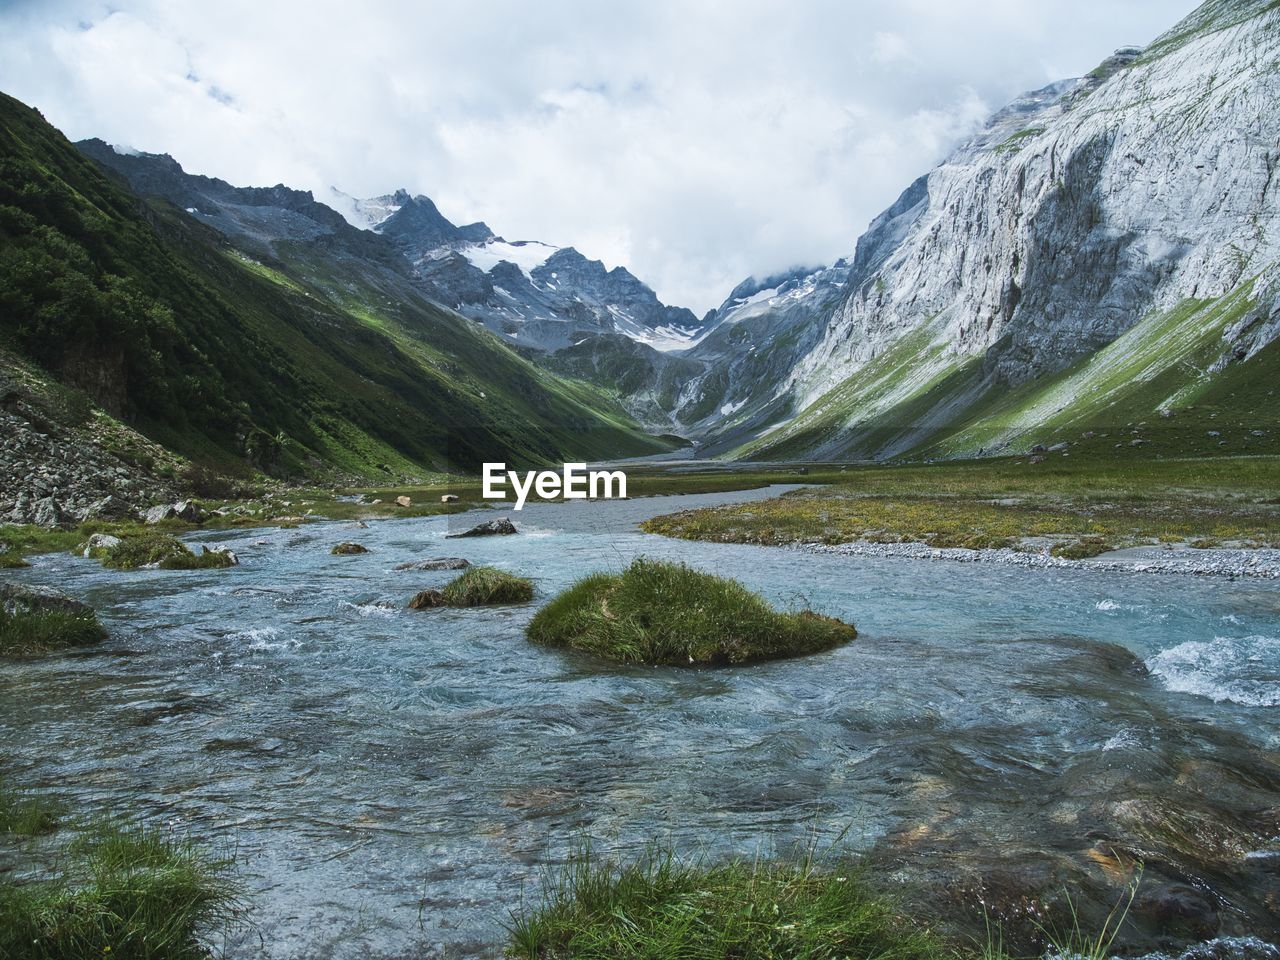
(162, 550)
(25, 633)
(128, 894)
(668, 613)
(28, 814)
(1081, 549)
(480, 586)
(12, 560)
(662, 907)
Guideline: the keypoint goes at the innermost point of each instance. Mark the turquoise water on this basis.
(394, 780)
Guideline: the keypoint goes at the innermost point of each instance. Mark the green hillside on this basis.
(1169, 387)
(296, 367)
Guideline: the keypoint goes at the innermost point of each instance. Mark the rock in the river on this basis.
(347, 549)
(1180, 911)
(490, 528)
(229, 558)
(425, 599)
(99, 541)
(437, 563)
(21, 598)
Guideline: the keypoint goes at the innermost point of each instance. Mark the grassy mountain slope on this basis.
(225, 358)
(1173, 372)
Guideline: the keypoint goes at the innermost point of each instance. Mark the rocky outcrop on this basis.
(1079, 210)
(53, 474)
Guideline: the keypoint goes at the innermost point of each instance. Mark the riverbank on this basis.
(992, 738)
(1202, 517)
(1169, 558)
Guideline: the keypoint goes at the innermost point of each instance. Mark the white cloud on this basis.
(694, 142)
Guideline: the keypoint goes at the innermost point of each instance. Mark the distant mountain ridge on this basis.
(255, 328)
(1104, 249)
(539, 295)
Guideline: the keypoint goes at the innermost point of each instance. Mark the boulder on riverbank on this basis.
(667, 613)
(500, 527)
(479, 586)
(436, 563)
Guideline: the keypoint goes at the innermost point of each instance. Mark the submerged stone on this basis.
(501, 527)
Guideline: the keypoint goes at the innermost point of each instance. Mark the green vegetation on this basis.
(747, 910)
(128, 894)
(305, 365)
(43, 631)
(162, 550)
(1163, 389)
(666, 613)
(1087, 506)
(28, 814)
(480, 586)
(1014, 142)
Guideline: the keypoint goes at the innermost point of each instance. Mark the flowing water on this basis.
(394, 781)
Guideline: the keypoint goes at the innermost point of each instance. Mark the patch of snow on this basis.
(525, 254)
(729, 409)
(364, 214)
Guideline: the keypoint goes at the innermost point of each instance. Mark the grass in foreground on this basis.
(127, 894)
(36, 632)
(662, 907)
(667, 613)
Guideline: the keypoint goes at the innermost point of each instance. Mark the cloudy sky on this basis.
(693, 142)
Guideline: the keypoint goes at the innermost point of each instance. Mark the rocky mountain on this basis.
(1106, 250)
(539, 296)
(1103, 253)
(248, 329)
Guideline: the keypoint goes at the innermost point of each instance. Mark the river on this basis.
(395, 781)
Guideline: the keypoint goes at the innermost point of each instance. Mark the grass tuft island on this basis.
(667, 613)
(479, 586)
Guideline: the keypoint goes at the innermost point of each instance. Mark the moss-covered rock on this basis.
(162, 551)
(668, 613)
(348, 549)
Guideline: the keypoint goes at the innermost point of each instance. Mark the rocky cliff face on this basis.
(1080, 212)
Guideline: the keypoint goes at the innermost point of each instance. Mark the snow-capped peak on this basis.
(525, 254)
(366, 214)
